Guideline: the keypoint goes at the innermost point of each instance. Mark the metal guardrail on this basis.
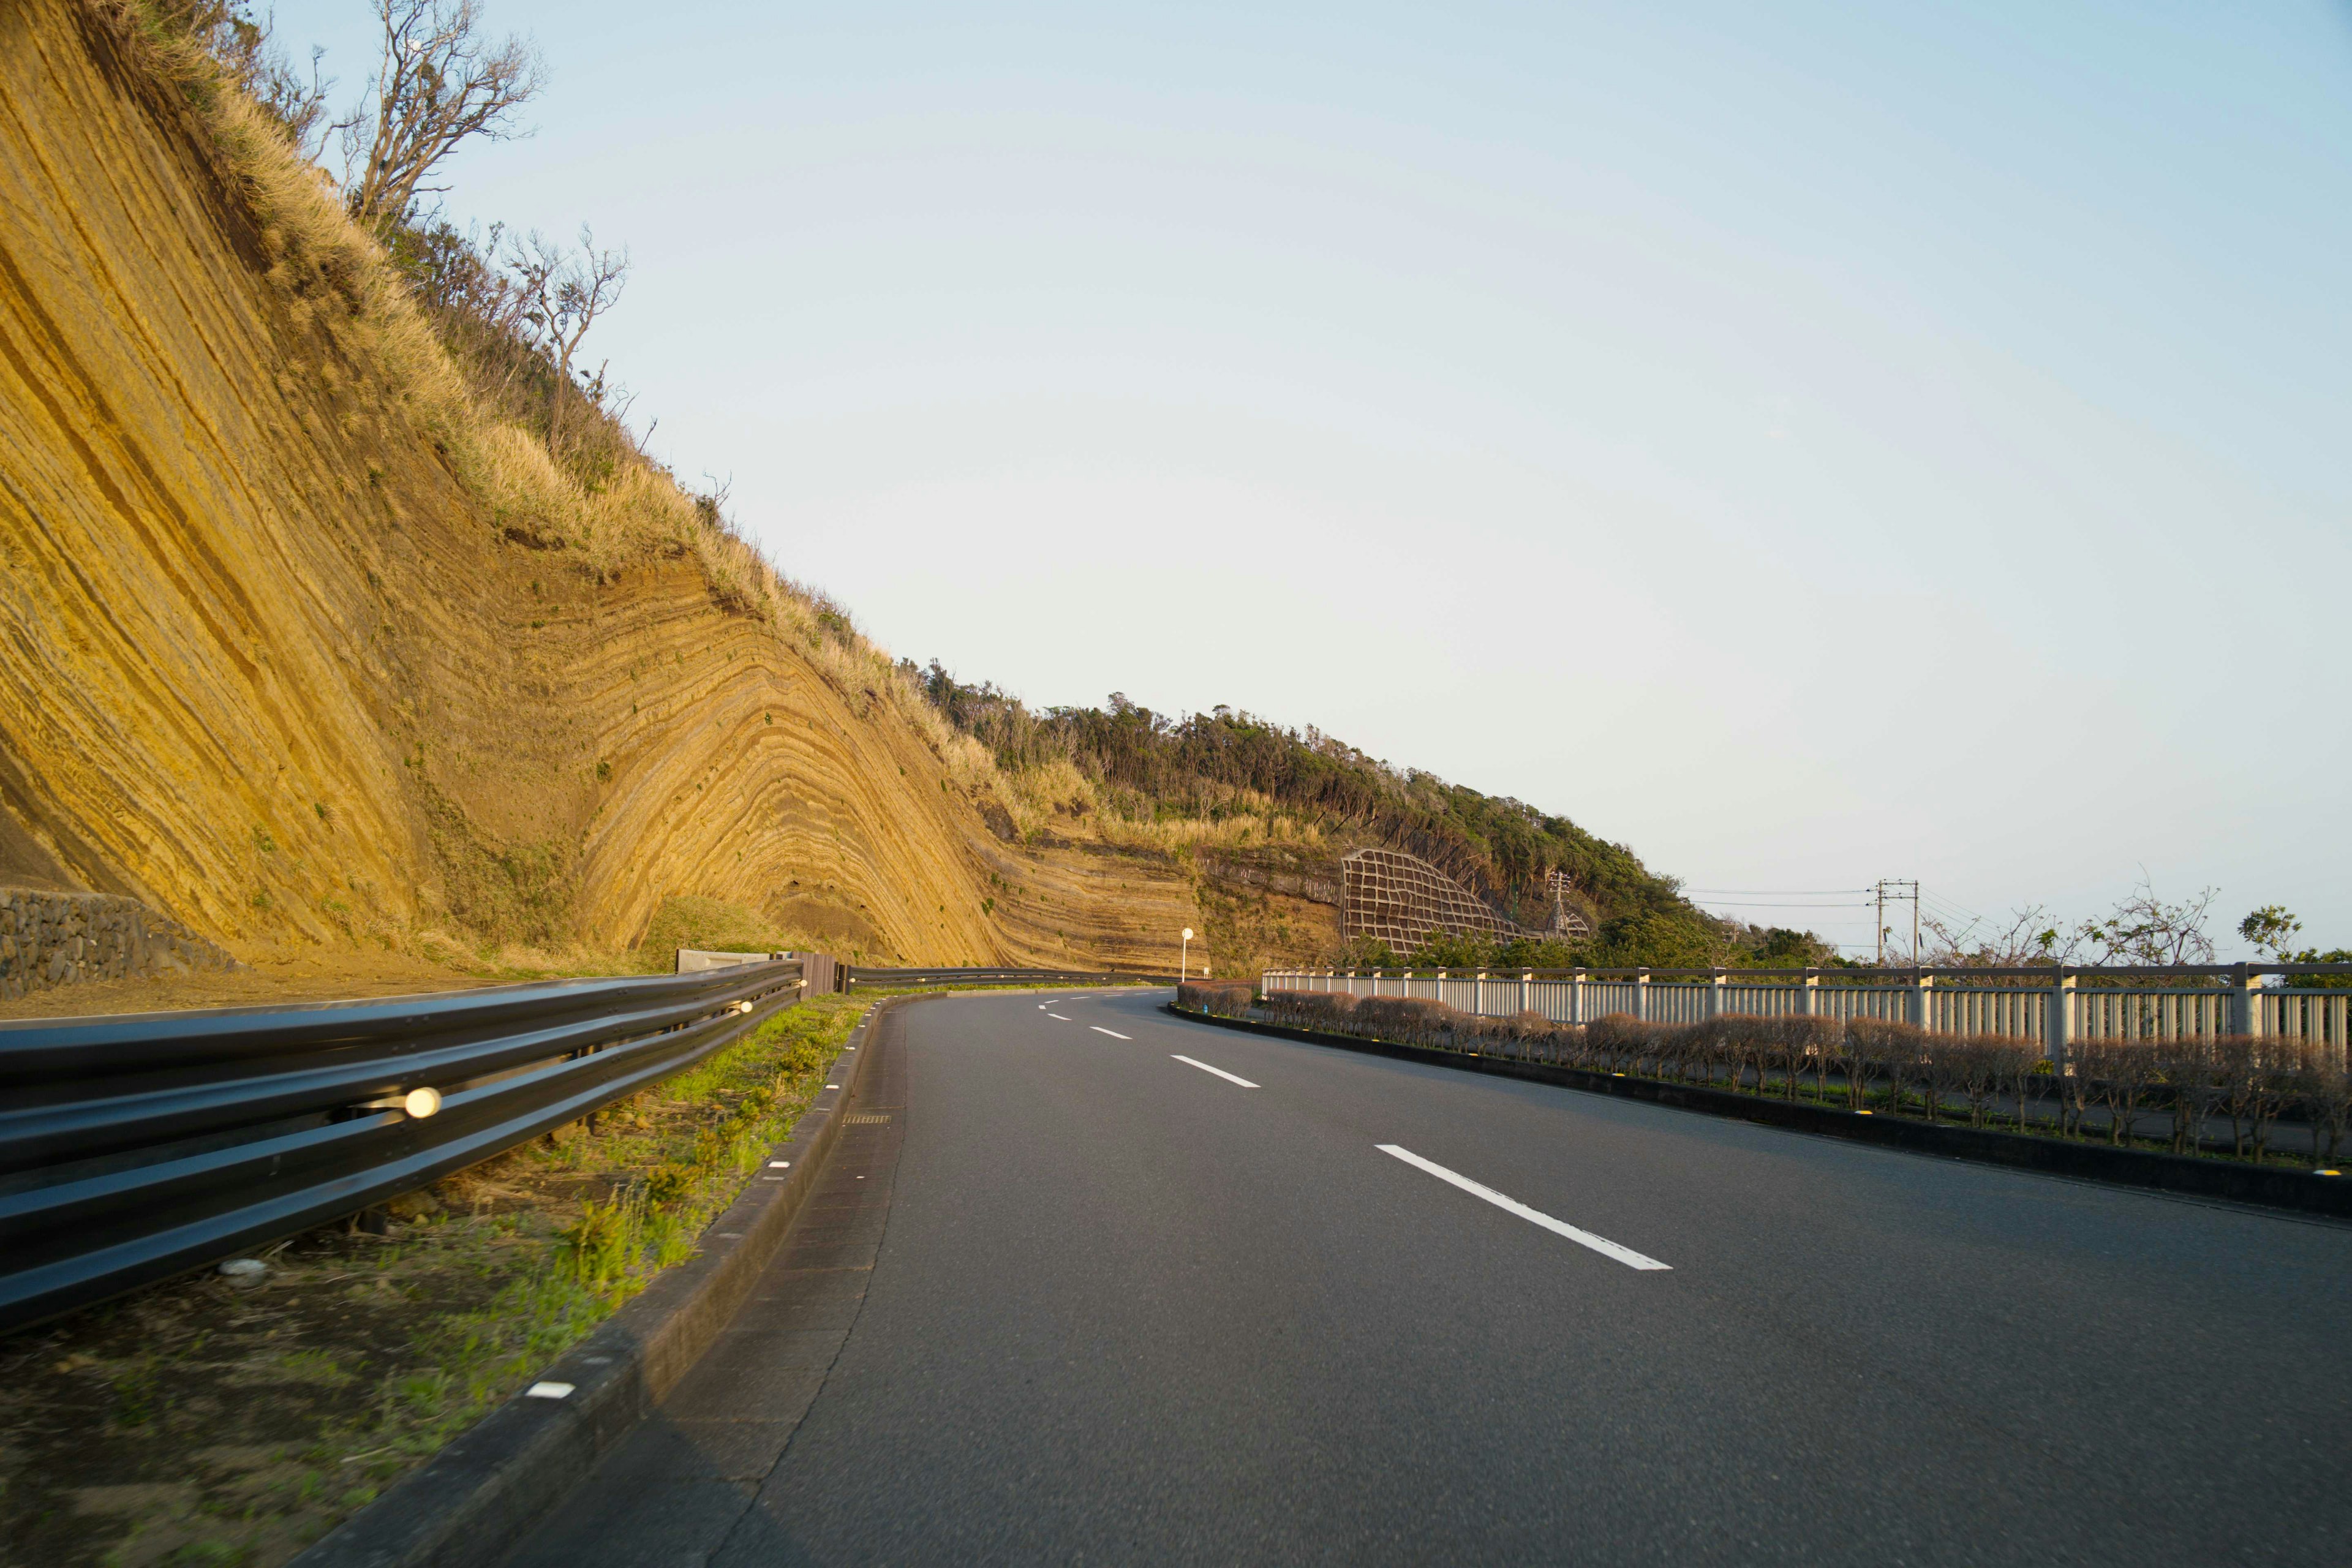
(854, 975)
(132, 1148)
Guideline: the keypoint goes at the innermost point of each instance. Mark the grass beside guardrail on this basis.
(192, 1422)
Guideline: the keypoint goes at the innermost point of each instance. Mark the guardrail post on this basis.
(2245, 1013)
(1809, 998)
(1922, 1001)
(2059, 1026)
(1576, 998)
(1642, 994)
(1527, 991)
(1715, 982)
(1478, 997)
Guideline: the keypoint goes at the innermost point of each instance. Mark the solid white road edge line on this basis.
(1221, 1072)
(1600, 1244)
(1114, 1034)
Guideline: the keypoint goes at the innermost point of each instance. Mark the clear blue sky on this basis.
(1808, 443)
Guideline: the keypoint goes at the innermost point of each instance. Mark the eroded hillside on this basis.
(286, 653)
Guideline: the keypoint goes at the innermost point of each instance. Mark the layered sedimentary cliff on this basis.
(270, 666)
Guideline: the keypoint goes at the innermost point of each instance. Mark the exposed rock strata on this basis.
(265, 663)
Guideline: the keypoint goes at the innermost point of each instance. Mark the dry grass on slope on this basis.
(598, 515)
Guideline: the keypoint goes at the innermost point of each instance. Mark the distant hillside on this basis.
(1296, 788)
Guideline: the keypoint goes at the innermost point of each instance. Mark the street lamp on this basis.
(1183, 956)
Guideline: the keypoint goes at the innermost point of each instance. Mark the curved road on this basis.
(1065, 1296)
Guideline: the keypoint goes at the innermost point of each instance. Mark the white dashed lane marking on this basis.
(1221, 1072)
(1600, 1244)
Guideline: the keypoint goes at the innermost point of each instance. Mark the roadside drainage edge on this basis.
(476, 1499)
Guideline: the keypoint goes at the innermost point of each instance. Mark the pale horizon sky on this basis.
(1807, 444)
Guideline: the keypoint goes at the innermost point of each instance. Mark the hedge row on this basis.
(1866, 1064)
(1223, 998)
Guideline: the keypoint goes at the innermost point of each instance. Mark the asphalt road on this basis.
(1065, 1297)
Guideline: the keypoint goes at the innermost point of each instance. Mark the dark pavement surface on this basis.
(1062, 1297)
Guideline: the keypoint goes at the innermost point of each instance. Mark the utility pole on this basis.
(1897, 888)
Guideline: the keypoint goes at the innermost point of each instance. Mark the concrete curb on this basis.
(472, 1502)
(2259, 1186)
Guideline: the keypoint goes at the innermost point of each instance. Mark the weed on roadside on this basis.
(193, 1423)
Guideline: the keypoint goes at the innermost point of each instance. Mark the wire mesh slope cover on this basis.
(1403, 900)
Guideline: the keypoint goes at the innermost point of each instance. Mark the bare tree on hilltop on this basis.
(440, 83)
(561, 296)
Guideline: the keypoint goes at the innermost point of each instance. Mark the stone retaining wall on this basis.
(66, 939)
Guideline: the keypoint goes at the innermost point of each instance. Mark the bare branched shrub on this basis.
(1409, 1020)
(2192, 1069)
(2145, 930)
(1896, 1049)
(1979, 1070)
(1859, 1064)
(2114, 1075)
(2254, 1083)
(246, 48)
(2329, 1087)
(1616, 1041)
(1312, 1009)
(1223, 998)
(2262, 1077)
(1797, 1046)
(439, 83)
(561, 296)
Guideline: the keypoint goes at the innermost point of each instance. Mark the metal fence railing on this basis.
(855, 976)
(137, 1146)
(2054, 1005)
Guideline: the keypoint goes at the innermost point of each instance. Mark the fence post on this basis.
(1576, 998)
(1642, 994)
(1527, 990)
(1922, 1001)
(1478, 997)
(2060, 1025)
(1715, 991)
(1809, 998)
(2245, 1015)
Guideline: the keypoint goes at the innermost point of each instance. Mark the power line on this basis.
(1951, 904)
(1766, 893)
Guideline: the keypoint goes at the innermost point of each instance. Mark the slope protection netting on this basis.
(1403, 900)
